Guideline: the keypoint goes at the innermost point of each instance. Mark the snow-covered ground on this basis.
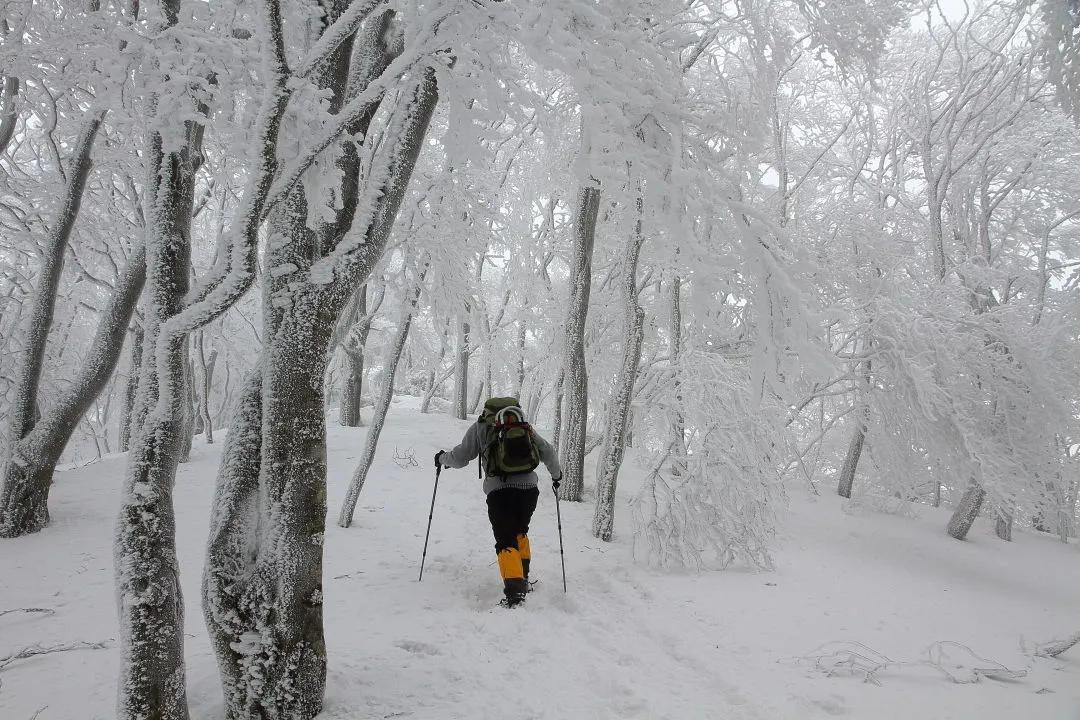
(624, 642)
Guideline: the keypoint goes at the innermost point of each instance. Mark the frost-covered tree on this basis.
(263, 577)
(39, 423)
(382, 405)
(618, 424)
(575, 380)
(151, 682)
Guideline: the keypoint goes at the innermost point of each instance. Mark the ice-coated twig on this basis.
(1054, 648)
(45, 611)
(33, 650)
(961, 664)
(405, 459)
(851, 657)
(955, 660)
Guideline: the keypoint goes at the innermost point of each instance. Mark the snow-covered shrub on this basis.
(718, 501)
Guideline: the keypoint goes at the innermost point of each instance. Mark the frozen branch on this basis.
(243, 244)
(332, 38)
(35, 650)
(8, 111)
(956, 661)
(22, 410)
(356, 108)
(45, 611)
(1056, 647)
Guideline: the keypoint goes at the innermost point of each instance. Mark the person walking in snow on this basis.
(509, 451)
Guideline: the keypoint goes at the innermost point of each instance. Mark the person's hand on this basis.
(438, 462)
(555, 482)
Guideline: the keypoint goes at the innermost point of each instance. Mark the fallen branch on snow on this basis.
(45, 611)
(956, 661)
(34, 650)
(1056, 647)
(405, 459)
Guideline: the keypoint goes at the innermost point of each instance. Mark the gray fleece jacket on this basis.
(479, 435)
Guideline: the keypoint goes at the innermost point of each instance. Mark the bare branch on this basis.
(35, 650)
(46, 611)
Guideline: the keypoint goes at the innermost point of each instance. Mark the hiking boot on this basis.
(512, 600)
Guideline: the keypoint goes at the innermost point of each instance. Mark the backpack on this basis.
(511, 449)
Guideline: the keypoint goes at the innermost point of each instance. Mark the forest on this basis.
(767, 244)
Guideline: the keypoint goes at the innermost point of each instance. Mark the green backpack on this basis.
(511, 449)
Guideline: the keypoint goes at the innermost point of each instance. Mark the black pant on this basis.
(510, 511)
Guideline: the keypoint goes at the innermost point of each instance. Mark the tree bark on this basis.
(28, 474)
(519, 378)
(25, 399)
(461, 370)
(577, 384)
(188, 419)
(858, 438)
(964, 516)
(8, 113)
(152, 682)
(271, 649)
(234, 530)
(851, 463)
(356, 485)
(618, 425)
(1003, 525)
(557, 430)
(354, 364)
(206, 379)
(131, 387)
(678, 420)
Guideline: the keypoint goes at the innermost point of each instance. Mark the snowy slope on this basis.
(625, 642)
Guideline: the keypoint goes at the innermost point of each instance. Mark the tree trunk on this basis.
(9, 115)
(935, 204)
(577, 385)
(25, 399)
(619, 417)
(195, 378)
(350, 393)
(678, 420)
(234, 530)
(964, 516)
(474, 405)
(433, 381)
(851, 463)
(519, 379)
(189, 420)
(267, 622)
(354, 363)
(28, 475)
(207, 380)
(1003, 525)
(556, 433)
(461, 370)
(1068, 512)
(854, 453)
(152, 682)
(356, 485)
(131, 386)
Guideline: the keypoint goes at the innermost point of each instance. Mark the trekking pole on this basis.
(431, 513)
(558, 518)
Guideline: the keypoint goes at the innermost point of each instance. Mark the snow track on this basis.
(626, 643)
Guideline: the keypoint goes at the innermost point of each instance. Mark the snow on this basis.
(626, 641)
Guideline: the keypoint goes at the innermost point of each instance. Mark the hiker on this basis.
(509, 450)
